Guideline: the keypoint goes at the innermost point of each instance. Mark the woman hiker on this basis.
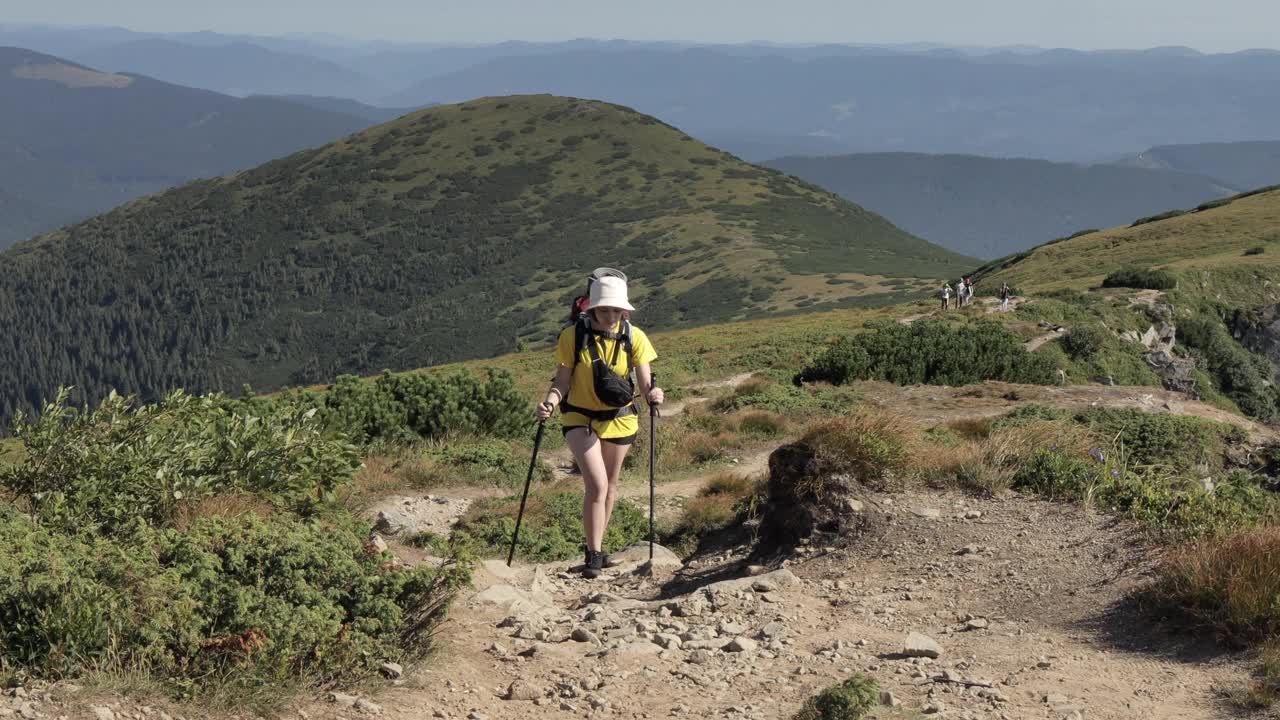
(593, 388)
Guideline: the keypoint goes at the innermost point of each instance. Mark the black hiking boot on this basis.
(595, 563)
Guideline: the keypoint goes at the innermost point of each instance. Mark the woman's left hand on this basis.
(655, 396)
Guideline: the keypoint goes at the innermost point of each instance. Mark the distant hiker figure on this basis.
(962, 292)
(601, 360)
(1005, 294)
(945, 294)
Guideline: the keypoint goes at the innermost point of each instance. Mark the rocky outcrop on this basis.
(1259, 331)
(804, 502)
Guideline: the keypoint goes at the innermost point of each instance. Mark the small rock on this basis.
(392, 670)
(366, 707)
(933, 708)
(700, 657)
(667, 641)
(1044, 663)
(584, 635)
(1054, 699)
(731, 628)
(927, 513)
(888, 699)
(376, 544)
(773, 630)
(977, 624)
(740, 644)
(102, 712)
(854, 505)
(919, 645)
(969, 550)
(972, 515)
(764, 586)
(521, 690)
(343, 699)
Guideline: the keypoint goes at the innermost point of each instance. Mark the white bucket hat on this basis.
(609, 292)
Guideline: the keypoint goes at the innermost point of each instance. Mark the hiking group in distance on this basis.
(964, 293)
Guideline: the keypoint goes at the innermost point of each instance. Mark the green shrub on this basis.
(1026, 414)
(1157, 218)
(1242, 376)
(1084, 341)
(231, 601)
(1180, 441)
(1058, 475)
(120, 464)
(1138, 278)
(551, 529)
(424, 405)
(847, 700)
(488, 461)
(1211, 204)
(930, 352)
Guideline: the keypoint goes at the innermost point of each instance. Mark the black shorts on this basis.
(628, 440)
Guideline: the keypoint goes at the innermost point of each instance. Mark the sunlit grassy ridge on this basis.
(1206, 249)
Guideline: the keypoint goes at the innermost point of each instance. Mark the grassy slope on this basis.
(453, 232)
(1205, 248)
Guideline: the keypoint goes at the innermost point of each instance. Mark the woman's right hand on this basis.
(544, 410)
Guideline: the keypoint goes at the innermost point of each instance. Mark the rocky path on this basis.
(1023, 601)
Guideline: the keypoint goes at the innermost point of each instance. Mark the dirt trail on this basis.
(935, 404)
(1025, 598)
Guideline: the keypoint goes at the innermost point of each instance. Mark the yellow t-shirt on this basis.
(582, 392)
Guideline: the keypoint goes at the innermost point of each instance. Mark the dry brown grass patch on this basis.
(873, 449)
(1231, 583)
(220, 506)
(987, 463)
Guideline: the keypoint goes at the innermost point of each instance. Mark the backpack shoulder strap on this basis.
(581, 335)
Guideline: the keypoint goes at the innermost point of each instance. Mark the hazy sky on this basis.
(1217, 25)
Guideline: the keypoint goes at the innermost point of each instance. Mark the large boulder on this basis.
(804, 501)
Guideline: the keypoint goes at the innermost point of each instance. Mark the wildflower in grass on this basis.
(1098, 456)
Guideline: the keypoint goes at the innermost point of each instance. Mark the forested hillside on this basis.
(451, 233)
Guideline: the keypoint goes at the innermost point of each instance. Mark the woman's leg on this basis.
(586, 450)
(613, 455)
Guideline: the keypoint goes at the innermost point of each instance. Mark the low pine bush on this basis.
(109, 468)
(1084, 341)
(1242, 376)
(199, 542)
(848, 700)
(930, 352)
(1142, 279)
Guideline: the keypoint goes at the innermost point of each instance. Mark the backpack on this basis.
(583, 336)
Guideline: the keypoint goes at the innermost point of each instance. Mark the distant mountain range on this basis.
(1072, 106)
(238, 69)
(759, 101)
(75, 141)
(1244, 165)
(990, 207)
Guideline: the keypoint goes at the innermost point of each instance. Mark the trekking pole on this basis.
(533, 462)
(653, 455)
